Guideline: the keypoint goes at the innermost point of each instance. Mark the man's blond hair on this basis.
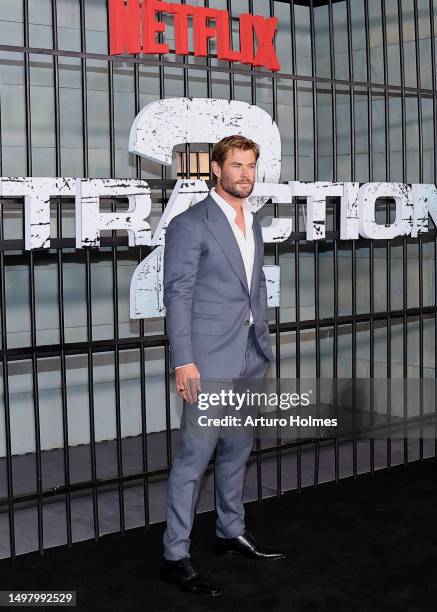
(221, 149)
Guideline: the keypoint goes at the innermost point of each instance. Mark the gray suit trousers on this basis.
(191, 461)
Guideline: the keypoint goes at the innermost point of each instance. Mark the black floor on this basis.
(366, 544)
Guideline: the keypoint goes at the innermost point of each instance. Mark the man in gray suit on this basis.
(216, 311)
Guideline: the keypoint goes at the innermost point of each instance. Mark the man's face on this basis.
(237, 175)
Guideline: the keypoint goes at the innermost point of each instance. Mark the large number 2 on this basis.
(162, 125)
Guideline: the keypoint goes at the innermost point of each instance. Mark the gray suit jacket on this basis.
(206, 294)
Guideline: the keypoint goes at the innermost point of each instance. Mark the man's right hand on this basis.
(188, 382)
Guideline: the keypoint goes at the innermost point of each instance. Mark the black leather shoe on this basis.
(245, 545)
(189, 580)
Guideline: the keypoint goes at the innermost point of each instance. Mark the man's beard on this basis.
(236, 190)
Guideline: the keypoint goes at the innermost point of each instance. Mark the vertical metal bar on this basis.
(434, 84)
(84, 88)
(349, 39)
(371, 269)
(331, 40)
(404, 242)
(421, 345)
(60, 280)
(231, 76)
(386, 93)
(91, 394)
(405, 343)
(117, 387)
(370, 172)
(115, 301)
(296, 217)
(208, 86)
(416, 45)
(435, 341)
(9, 474)
(420, 243)
(316, 246)
(434, 114)
(8, 441)
(144, 453)
(335, 358)
(316, 242)
(369, 90)
(432, 41)
(372, 351)
(388, 372)
(37, 423)
(297, 300)
(314, 93)
(354, 350)
(210, 146)
(27, 89)
(145, 462)
(295, 99)
(36, 402)
(187, 145)
(112, 120)
(352, 132)
(334, 130)
(277, 310)
(88, 281)
(317, 318)
(387, 168)
(352, 141)
(137, 102)
(166, 349)
(56, 88)
(333, 93)
(402, 77)
(334, 168)
(1, 141)
(257, 437)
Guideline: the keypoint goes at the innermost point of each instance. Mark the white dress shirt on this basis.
(245, 244)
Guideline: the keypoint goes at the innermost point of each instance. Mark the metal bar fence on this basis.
(295, 246)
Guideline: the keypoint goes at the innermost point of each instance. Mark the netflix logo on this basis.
(134, 26)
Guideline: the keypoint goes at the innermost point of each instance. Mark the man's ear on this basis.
(216, 170)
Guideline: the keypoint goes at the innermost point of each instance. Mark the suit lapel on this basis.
(257, 262)
(219, 227)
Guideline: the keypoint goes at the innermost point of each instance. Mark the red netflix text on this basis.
(134, 26)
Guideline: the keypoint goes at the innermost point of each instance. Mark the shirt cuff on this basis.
(185, 364)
